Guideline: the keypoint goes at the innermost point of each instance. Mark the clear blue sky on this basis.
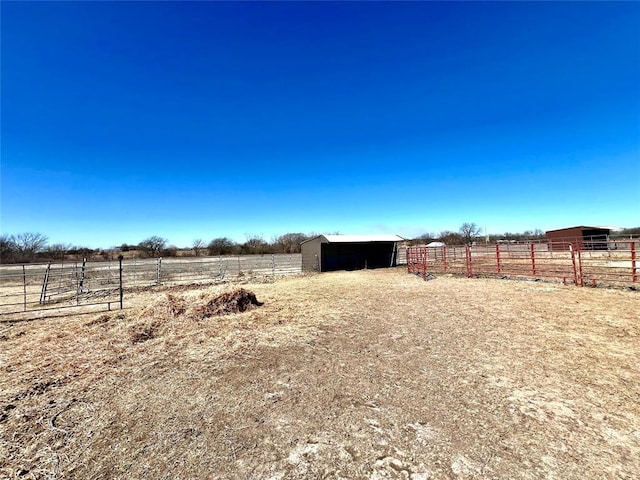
(124, 120)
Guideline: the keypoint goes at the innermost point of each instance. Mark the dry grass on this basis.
(372, 374)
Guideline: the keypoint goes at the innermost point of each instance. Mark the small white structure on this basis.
(436, 244)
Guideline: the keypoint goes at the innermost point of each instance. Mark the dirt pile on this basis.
(237, 301)
(154, 319)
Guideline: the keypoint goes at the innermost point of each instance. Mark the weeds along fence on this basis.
(36, 287)
(580, 263)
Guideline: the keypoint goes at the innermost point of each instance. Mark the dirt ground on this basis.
(370, 374)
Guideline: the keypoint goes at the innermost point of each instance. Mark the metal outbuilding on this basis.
(326, 253)
(585, 238)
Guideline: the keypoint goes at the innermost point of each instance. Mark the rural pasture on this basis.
(367, 374)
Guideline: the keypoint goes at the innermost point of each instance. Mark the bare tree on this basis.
(153, 246)
(57, 251)
(289, 242)
(7, 249)
(255, 244)
(469, 232)
(450, 238)
(170, 251)
(221, 246)
(423, 239)
(27, 245)
(197, 245)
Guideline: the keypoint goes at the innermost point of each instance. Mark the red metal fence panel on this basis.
(567, 262)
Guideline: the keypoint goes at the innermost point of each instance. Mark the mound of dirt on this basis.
(236, 301)
(154, 320)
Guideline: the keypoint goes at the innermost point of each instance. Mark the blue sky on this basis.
(123, 120)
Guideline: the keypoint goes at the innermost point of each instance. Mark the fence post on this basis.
(273, 265)
(159, 271)
(468, 259)
(75, 268)
(634, 272)
(424, 263)
(444, 257)
(533, 259)
(573, 261)
(45, 284)
(121, 289)
(24, 286)
(81, 280)
(580, 266)
(498, 257)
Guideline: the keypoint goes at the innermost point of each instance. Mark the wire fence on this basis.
(177, 271)
(52, 286)
(37, 287)
(580, 263)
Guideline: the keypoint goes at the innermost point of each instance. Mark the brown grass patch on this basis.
(367, 374)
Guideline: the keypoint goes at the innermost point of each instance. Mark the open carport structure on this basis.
(326, 253)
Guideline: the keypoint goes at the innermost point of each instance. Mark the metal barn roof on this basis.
(581, 227)
(358, 238)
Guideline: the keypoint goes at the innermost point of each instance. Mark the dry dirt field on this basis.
(370, 374)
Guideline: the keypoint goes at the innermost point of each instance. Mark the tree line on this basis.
(469, 232)
(35, 247)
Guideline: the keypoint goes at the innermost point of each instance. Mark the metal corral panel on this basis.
(349, 252)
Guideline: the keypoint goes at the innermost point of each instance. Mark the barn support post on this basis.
(393, 254)
(634, 272)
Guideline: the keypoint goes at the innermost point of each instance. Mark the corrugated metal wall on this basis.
(585, 237)
(311, 255)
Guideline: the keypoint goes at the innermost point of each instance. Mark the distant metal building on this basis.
(326, 253)
(585, 238)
